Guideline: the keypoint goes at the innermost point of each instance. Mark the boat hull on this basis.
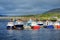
(10, 27)
(19, 27)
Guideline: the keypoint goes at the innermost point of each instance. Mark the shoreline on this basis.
(27, 18)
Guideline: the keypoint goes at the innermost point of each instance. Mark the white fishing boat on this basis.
(19, 24)
(10, 25)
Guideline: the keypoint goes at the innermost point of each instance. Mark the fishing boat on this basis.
(19, 24)
(49, 25)
(31, 24)
(57, 25)
(10, 24)
(35, 26)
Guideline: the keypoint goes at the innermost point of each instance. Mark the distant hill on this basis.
(53, 12)
(57, 10)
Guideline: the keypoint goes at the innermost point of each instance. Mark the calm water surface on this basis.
(42, 34)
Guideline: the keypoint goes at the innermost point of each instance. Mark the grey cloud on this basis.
(22, 7)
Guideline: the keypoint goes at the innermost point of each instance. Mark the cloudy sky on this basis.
(27, 7)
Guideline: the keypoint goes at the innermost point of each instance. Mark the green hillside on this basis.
(49, 14)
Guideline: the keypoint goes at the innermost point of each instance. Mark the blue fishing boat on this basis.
(49, 24)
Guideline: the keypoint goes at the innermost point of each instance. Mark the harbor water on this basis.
(42, 34)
